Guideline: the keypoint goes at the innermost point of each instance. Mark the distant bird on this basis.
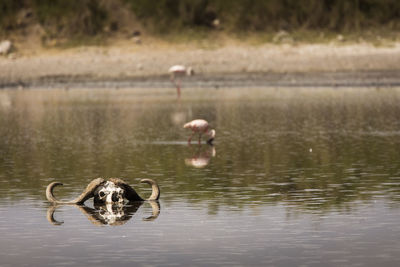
(178, 71)
(200, 127)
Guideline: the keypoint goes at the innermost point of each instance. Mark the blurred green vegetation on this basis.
(269, 15)
(85, 17)
(60, 18)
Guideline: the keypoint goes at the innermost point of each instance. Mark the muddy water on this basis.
(295, 177)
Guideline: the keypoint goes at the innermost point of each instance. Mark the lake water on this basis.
(296, 177)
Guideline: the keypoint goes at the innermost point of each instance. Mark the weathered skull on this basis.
(110, 193)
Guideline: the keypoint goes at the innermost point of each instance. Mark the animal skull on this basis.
(111, 193)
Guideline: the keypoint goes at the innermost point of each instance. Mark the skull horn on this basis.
(155, 189)
(131, 194)
(87, 193)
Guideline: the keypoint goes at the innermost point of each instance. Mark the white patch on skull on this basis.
(110, 193)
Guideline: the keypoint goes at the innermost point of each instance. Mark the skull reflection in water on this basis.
(112, 214)
(110, 193)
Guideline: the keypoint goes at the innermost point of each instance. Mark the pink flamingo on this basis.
(179, 71)
(200, 127)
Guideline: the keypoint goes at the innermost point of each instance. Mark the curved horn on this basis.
(131, 194)
(155, 189)
(87, 193)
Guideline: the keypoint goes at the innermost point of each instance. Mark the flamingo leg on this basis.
(190, 137)
(199, 138)
(178, 88)
(177, 84)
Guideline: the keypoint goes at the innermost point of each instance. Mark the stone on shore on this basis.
(5, 47)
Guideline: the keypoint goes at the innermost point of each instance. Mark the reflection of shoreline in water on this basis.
(109, 214)
(183, 143)
(240, 79)
(200, 159)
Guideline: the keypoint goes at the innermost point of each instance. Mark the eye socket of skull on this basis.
(115, 197)
(118, 195)
(110, 193)
(102, 194)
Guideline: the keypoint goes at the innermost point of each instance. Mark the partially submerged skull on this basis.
(110, 193)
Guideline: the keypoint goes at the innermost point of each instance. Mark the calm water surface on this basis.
(297, 177)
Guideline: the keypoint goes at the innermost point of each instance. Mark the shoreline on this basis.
(378, 79)
(129, 65)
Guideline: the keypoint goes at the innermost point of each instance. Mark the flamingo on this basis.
(179, 71)
(201, 127)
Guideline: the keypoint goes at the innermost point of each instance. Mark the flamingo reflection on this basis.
(178, 71)
(201, 158)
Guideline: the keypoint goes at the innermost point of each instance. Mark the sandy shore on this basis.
(135, 64)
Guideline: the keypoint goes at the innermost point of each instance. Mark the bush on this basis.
(8, 11)
(71, 17)
(68, 18)
(262, 15)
